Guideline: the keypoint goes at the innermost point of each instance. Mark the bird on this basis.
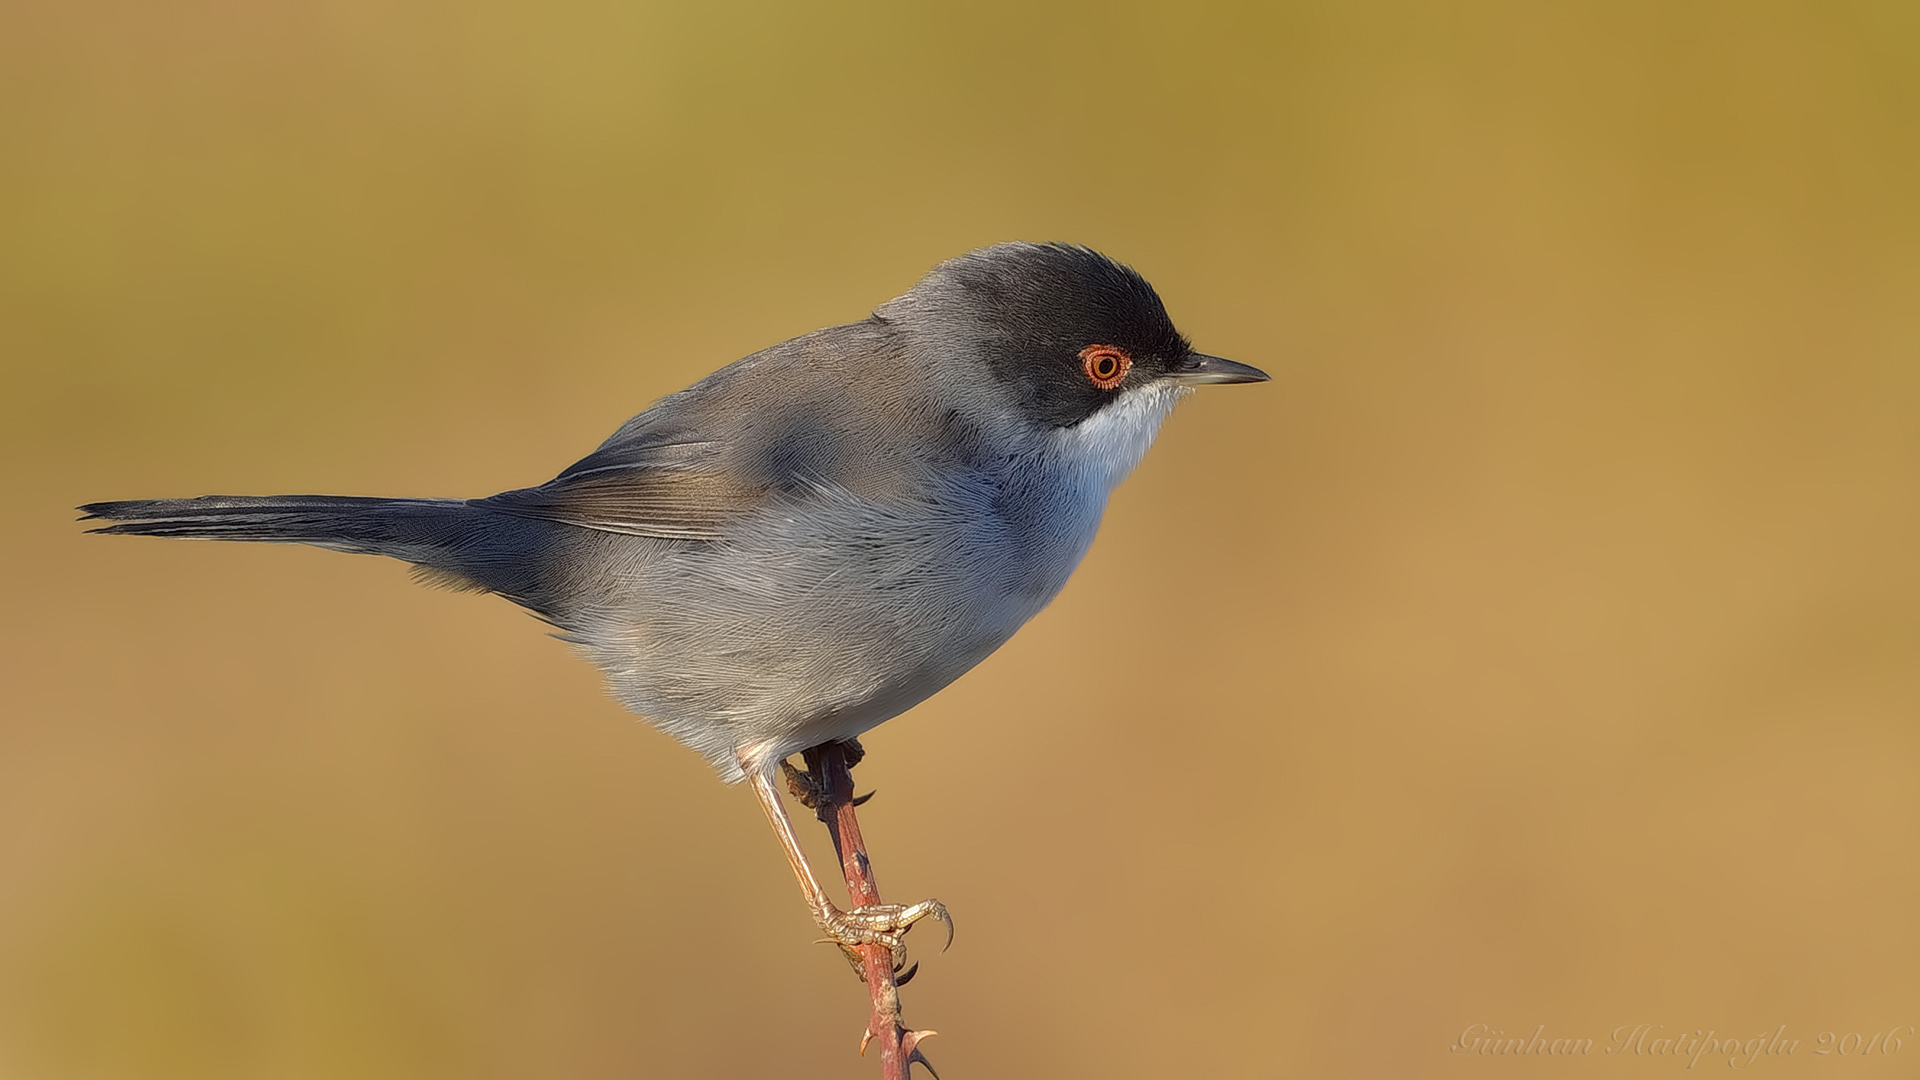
(814, 538)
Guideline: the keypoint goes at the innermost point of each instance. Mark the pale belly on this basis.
(806, 628)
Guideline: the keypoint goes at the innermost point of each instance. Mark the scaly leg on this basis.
(882, 924)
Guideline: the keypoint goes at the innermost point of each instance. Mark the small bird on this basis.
(815, 538)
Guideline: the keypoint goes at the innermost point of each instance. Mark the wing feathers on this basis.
(671, 504)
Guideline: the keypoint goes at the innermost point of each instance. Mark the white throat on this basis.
(1102, 449)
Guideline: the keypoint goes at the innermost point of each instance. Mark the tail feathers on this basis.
(451, 541)
(375, 526)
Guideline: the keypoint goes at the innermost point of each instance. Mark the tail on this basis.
(449, 541)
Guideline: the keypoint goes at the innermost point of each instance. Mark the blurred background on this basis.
(1539, 648)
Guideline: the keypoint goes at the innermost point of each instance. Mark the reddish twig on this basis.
(832, 775)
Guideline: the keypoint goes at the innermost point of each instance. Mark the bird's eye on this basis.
(1105, 365)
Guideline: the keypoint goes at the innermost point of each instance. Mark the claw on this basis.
(861, 800)
(937, 911)
(902, 978)
(917, 1056)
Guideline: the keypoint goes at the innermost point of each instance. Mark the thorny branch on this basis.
(830, 776)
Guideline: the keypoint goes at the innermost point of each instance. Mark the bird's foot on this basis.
(881, 924)
(802, 785)
(807, 789)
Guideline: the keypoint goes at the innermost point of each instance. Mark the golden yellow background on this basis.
(1542, 646)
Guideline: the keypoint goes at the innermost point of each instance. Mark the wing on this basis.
(777, 424)
(642, 483)
(668, 504)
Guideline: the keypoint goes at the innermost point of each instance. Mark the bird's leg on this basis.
(871, 923)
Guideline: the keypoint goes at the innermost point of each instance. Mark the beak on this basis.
(1201, 368)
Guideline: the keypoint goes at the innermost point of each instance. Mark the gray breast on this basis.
(828, 611)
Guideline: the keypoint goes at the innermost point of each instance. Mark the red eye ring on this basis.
(1105, 365)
